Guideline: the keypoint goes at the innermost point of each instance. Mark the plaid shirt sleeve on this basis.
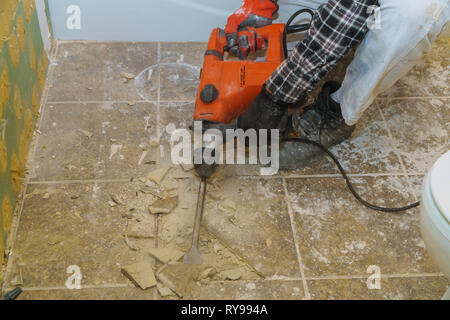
(337, 27)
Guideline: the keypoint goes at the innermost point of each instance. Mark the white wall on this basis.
(152, 20)
(149, 20)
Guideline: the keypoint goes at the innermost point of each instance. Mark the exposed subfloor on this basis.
(296, 235)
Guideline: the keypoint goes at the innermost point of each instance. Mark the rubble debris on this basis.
(158, 175)
(163, 206)
(114, 149)
(115, 198)
(164, 291)
(176, 277)
(86, 133)
(46, 195)
(140, 229)
(233, 274)
(141, 274)
(166, 255)
(112, 203)
(207, 273)
(126, 76)
(74, 196)
(154, 143)
(129, 244)
(232, 218)
(141, 160)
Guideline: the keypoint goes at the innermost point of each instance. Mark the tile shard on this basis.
(158, 175)
(164, 291)
(163, 206)
(233, 274)
(141, 274)
(166, 255)
(176, 277)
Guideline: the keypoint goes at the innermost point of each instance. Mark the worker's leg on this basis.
(337, 27)
(408, 29)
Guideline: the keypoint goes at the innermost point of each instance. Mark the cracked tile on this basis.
(339, 236)
(73, 224)
(249, 216)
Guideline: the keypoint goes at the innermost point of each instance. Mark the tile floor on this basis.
(297, 235)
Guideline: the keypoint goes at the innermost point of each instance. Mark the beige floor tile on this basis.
(251, 219)
(91, 71)
(420, 288)
(249, 290)
(183, 52)
(126, 293)
(420, 129)
(74, 224)
(368, 150)
(338, 236)
(95, 141)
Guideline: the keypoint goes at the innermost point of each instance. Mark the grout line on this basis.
(349, 277)
(413, 98)
(121, 180)
(296, 241)
(382, 276)
(87, 181)
(394, 145)
(105, 286)
(317, 278)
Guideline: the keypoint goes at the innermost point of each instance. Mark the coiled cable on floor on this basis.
(347, 180)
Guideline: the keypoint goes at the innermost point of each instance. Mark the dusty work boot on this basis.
(321, 122)
(264, 113)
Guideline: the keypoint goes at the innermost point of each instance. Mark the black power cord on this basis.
(305, 27)
(299, 27)
(347, 180)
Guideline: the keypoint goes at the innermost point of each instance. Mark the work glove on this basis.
(264, 113)
(252, 14)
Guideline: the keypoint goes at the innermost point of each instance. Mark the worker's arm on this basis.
(253, 13)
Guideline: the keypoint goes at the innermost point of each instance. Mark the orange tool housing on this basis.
(228, 87)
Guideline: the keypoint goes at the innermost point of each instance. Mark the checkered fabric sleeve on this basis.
(336, 28)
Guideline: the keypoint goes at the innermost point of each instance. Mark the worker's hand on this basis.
(253, 13)
(249, 41)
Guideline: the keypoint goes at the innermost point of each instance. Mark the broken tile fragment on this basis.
(207, 273)
(176, 277)
(140, 230)
(166, 255)
(158, 175)
(162, 206)
(141, 274)
(164, 291)
(233, 274)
